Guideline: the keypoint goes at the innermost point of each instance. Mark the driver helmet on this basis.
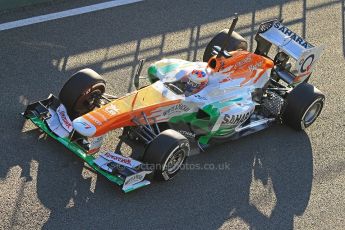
(197, 80)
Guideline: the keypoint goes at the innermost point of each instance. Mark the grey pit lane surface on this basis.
(278, 179)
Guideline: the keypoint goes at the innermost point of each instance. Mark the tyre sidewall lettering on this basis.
(184, 146)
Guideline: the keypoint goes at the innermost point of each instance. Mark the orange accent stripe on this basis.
(92, 119)
(260, 75)
(125, 119)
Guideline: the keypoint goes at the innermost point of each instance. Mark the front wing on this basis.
(129, 179)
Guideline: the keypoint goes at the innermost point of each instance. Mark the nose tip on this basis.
(84, 127)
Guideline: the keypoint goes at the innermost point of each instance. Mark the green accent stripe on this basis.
(213, 110)
(152, 73)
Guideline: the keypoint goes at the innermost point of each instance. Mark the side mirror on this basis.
(216, 50)
(137, 74)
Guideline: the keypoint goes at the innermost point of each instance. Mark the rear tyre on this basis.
(236, 42)
(303, 105)
(81, 92)
(167, 152)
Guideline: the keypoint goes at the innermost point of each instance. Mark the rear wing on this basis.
(305, 54)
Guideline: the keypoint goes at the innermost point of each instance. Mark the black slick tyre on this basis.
(80, 92)
(236, 42)
(167, 153)
(303, 105)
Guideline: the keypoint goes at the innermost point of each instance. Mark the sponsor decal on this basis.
(94, 119)
(117, 158)
(104, 118)
(111, 109)
(235, 119)
(291, 35)
(185, 144)
(125, 161)
(243, 62)
(256, 66)
(86, 125)
(186, 133)
(200, 97)
(238, 65)
(176, 109)
(133, 179)
(64, 119)
(55, 124)
(266, 26)
(95, 144)
(306, 67)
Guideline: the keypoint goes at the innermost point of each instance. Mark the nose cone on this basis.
(84, 127)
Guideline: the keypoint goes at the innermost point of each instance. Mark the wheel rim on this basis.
(311, 113)
(175, 161)
(87, 102)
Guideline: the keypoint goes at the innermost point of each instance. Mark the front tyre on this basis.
(81, 92)
(303, 105)
(167, 152)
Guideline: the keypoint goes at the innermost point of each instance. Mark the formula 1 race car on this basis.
(187, 106)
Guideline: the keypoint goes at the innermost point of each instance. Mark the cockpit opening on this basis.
(190, 84)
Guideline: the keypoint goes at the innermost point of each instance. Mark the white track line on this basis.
(64, 14)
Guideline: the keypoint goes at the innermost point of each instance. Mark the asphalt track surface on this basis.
(277, 179)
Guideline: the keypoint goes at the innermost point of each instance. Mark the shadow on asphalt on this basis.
(202, 199)
(278, 158)
(343, 24)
